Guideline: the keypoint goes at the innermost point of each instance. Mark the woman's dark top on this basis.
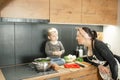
(103, 53)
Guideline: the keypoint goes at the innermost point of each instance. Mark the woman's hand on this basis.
(103, 69)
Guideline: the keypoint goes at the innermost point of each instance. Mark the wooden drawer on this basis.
(81, 75)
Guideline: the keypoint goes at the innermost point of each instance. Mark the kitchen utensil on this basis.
(73, 65)
(42, 64)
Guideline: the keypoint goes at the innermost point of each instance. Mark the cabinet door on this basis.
(85, 77)
(99, 11)
(65, 11)
(1, 1)
(2, 4)
(88, 77)
(86, 74)
(35, 9)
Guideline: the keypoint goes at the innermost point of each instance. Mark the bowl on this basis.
(70, 58)
(42, 64)
(69, 61)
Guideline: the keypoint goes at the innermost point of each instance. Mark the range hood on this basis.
(3, 19)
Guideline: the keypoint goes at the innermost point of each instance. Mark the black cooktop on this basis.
(24, 71)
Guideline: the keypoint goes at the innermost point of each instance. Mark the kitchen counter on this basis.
(20, 72)
(26, 72)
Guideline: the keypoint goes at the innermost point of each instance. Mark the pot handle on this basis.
(34, 62)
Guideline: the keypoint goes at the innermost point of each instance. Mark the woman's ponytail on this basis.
(94, 34)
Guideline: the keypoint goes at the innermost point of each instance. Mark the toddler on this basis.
(54, 48)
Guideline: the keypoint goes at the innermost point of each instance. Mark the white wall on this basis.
(112, 37)
(112, 34)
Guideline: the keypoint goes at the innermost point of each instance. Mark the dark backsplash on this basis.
(23, 42)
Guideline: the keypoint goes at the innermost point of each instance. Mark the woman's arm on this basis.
(89, 60)
(105, 52)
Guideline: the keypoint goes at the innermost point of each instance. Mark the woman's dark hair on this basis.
(91, 33)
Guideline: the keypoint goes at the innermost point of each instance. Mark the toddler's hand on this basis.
(58, 53)
(54, 53)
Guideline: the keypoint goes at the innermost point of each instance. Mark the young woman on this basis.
(99, 54)
(54, 48)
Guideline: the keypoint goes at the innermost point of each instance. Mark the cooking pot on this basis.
(42, 64)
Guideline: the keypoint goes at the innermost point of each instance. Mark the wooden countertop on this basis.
(88, 69)
(69, 72)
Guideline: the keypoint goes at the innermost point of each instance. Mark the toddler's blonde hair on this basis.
(52, 30)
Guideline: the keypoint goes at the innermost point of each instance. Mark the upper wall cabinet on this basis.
(65, 11)
(84, 11)
(99, 11)
(35, 9)
(1, 1)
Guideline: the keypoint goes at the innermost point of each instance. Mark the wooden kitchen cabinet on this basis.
(81, 75)
(86, 77)
(35, 9)
(1, 1)
(84, 11)
(65, 11)
(99, 11)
